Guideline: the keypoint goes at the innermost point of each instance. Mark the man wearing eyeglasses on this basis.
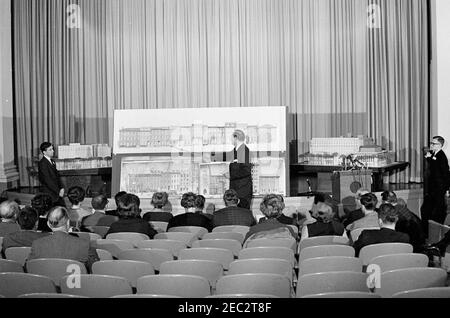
(434, 207)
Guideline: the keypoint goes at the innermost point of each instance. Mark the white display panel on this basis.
(198, 129)
(181, 150)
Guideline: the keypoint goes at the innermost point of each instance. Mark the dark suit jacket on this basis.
(136, 225)
(49, 178)
(410, 224)
(320, 229)
(439, 177)
(242, 155)
(22, 238)
(191, 219)
(382, 235)
(353, 216)
(64, 245)
(99, 219)
(158, 216)
(233, 215)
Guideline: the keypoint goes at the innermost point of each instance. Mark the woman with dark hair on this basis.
(161, 208)
(129, 218)
(191, 203)
(42, 203)
(325, 223)
(76, 212)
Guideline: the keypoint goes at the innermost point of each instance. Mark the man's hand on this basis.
(428, 155)
(61, 193)
(447, 194)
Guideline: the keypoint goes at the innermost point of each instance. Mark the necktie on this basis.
(235, 154)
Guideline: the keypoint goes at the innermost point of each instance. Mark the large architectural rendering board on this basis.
(181, 150)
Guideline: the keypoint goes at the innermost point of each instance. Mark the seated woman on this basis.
(325, 224)
(388, 217)
(272, 207)
(189, 201)
(42, 203)
(76, 212)
(161, 208)
(129, 218)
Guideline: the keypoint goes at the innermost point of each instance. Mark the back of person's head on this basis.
(118, 196)
(99, 202)
(272, 205)
(387, 213)
(58, 217)
(230, 197)
(319, 197)
(188, 200)
(9, 210)
(44, 146)
(76, 195)
(239, 135)
(199, 202)
(440, 139)
(389, 197)
(28, 218)
(159, 199)
(42, 202)
(128, 207)
(369, 201)
(323, 213)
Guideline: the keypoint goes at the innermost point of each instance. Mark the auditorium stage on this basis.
(412, 194)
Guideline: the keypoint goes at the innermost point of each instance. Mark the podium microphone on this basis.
(309, 185)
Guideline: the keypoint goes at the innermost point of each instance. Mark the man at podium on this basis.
(240, 169)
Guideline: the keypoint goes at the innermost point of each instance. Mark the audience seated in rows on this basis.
(61, 244)
(76, 212)
(28, 220)
(9, 210)
(162, 210)
(98, 218)
(129, 217)
(370, 218)
(42, 203)
(408, 222)
(388, 217)
(190, 202)
(271, 206)
(232, 214)
(325, 224)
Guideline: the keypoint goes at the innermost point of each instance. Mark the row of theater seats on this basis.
(137, 266)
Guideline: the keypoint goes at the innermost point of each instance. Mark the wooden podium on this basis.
(345, 184)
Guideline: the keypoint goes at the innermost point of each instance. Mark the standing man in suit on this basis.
(49, 176)
(434, 207)
(241, 170)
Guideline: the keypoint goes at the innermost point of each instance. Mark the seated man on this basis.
(232, 214)
(190, 218)
(370, 217)
(28, 220)
(9, 210)
(386, 234)
(116, 200)
(99, 217)
(129, 217)
(408, 222)
(271, 206)
(62, 244)
(325, 225)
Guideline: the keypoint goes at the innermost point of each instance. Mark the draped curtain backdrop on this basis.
(321, 58)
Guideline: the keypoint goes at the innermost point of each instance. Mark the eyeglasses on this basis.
(435, 143)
